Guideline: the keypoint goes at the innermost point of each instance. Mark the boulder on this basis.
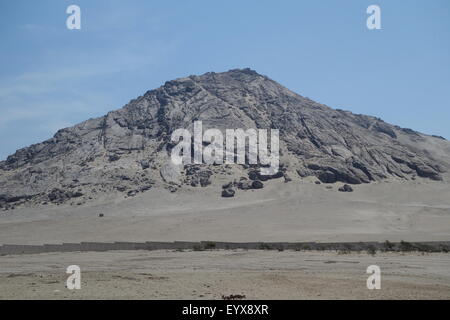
(131, 193)
(171, 173)
(227, 185)
(256, 175)
(286, 177)
(145, 164)
(245, 184)
(113, 157)
(346, 188)
(201, 177)
(257, 184)
(228, 193)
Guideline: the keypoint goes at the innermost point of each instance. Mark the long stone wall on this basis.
(433, 246)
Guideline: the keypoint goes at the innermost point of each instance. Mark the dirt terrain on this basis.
(211, 274)
(296, 211)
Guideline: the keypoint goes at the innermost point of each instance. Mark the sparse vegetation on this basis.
(209, 245)
(198, 248)
(388, 246)
(425, 248)
(320, 247)
(264, 246)
(406, 246)
(371, 250)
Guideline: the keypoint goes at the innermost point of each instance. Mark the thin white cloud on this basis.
(84, 66)
(31, 27)
(57, 91)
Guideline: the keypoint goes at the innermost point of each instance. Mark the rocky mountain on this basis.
(128, 150)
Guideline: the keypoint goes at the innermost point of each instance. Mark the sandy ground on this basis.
(211, 274)
(295, 211)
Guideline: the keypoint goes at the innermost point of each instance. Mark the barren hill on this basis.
(127, 151)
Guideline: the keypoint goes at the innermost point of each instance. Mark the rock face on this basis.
(128, 149)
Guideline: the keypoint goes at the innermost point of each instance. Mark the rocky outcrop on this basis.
(129, 149)
(196, 176)
(245, 184)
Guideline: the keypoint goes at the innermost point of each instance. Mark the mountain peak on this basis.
(128, 149)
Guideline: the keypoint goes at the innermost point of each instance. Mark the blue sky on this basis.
(52, 77)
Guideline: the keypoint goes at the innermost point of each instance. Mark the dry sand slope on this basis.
(211, 274)
(296, 211)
